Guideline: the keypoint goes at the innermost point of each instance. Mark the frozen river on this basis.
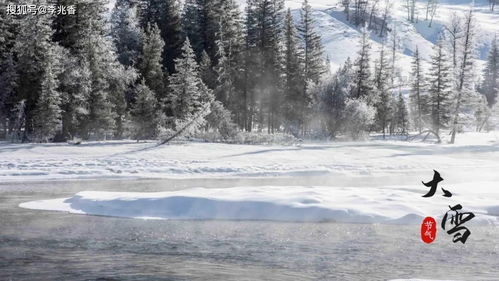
(45, 245)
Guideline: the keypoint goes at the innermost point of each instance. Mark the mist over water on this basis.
(41, 245)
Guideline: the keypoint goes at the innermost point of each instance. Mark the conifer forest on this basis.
(219, 69)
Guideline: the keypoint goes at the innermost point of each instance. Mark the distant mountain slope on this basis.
(340, 37)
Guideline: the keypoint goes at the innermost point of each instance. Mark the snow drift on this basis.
(390, 205)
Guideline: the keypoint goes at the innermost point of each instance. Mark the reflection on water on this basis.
(39, 245)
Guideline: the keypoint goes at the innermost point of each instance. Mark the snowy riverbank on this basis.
(475, 156)
(364, 182)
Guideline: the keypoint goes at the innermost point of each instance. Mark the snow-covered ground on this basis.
(365, 182)
(474, 153)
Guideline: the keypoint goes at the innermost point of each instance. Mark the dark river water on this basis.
(44, 245)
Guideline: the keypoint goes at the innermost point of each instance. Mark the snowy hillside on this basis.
(340, 37)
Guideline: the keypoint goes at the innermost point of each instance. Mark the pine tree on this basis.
(464, 80)
(225, 84)
(171, 31)
(401, 116)
(8, 75)
(191, 26)
(209, 22)
(144, 113)
(68, 30)
(33, 43)
(333, 95)
(47, 115)
(440, 78)
(229, 60)
(453, 33)
(8, 94)
(250, 67)
(264, 22)
(362, 80)
(150, 63)
(107, 76)
(166, 14)
(120, 81)
(229, 45)
(188, 97)
(490, 84)
(125, 30)
(417, 97)
(296, 98)
(102, 81)
(394, 45)
(75, 81)
(206, 71)
(75, 84)
(312, 45)
(383, 103)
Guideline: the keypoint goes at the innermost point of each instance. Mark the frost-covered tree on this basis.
(144, 113)
(440, 89)
(417, 95)
(312, 46)
(209, 22)
(362, 80)
(431, 10)
(126, 32)
(264, 23)
(411, 7)
(171, 31)
(296, 100)
(229, 46)
(34, 62)
(332, 94)
(191, 17)
(206, 71)
(101, 80)
(8, 75)
(75, 84)
(358, 117)
(188, 97)
(490, 84)
(465, 88)
(383, 103)
(220, 119)
(8, 96)
(401, 116)
(394, 50)
(454, 33)
(360, 11)
(166, 14)
(150, 63)
(47, 115)
(224, 90)
(108, 77)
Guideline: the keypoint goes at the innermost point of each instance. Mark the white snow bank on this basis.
(475, 154)
(390, 205)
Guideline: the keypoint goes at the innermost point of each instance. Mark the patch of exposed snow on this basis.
(388, 204)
